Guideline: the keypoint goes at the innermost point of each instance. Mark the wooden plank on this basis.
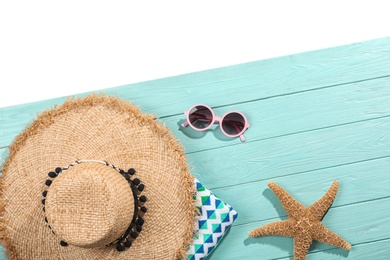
(237, 84)
(356, 182)
(290, 114)
(281, 115)
(369, 223)
(291, 154)
(372, 250)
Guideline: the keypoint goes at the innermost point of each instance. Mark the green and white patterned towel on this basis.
(214, 221)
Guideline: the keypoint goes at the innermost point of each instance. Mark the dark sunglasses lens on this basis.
(200, 117)
(233, 123)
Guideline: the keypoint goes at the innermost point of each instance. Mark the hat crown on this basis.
(89, 205)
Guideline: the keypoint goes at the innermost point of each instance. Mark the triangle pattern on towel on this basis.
(213, 222)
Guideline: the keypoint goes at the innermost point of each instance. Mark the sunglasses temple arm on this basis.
(242, 137)
(185, 124)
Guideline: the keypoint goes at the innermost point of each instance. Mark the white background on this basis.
(50, 49)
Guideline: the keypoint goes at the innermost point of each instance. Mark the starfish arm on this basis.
(279, 228)
(321, 206)
(302, 243)
(324, 235)
(293, 208)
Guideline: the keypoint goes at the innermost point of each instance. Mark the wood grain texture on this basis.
(310, 187)
(315, 117)
(300, 112)
(235, 84)
(292, 154)
(350, 222)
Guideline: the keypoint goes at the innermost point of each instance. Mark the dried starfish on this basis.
(304, 224)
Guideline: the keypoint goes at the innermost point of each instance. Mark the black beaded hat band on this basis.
(135, 227)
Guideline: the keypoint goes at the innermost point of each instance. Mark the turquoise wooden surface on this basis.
(315, 117)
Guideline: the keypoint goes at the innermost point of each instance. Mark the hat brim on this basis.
(101, 128)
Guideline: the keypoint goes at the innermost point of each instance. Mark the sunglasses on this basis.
(201, 117)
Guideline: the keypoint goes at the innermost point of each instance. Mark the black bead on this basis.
(44, 193)
(50, 228)
(119, 247)
(48, 182)
(141, 187)
(140, 221)
(139, 228)
(142, 198)
(46, 219)
(52, 174)
(127, 243)
(43, 201)
(58, 170)
(131, 171)
(63, 243)
(136, 181)
(134, 234)
(143, 209)
(43, 208)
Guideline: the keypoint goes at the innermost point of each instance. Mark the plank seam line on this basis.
(294, 133)
(371, 241)
(306, 90)
(221, 106)
(283, 135)
(300, 172)
(357, 244)
(360, 202)
(290, 93)
(285, 216)
(308, 171)
(316, 251)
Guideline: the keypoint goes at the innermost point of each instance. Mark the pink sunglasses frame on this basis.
(217, 120)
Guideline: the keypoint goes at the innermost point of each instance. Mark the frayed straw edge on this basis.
(46, 118)
(191, 189)
(10, 251)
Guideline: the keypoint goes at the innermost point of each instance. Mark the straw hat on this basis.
(96, 179)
